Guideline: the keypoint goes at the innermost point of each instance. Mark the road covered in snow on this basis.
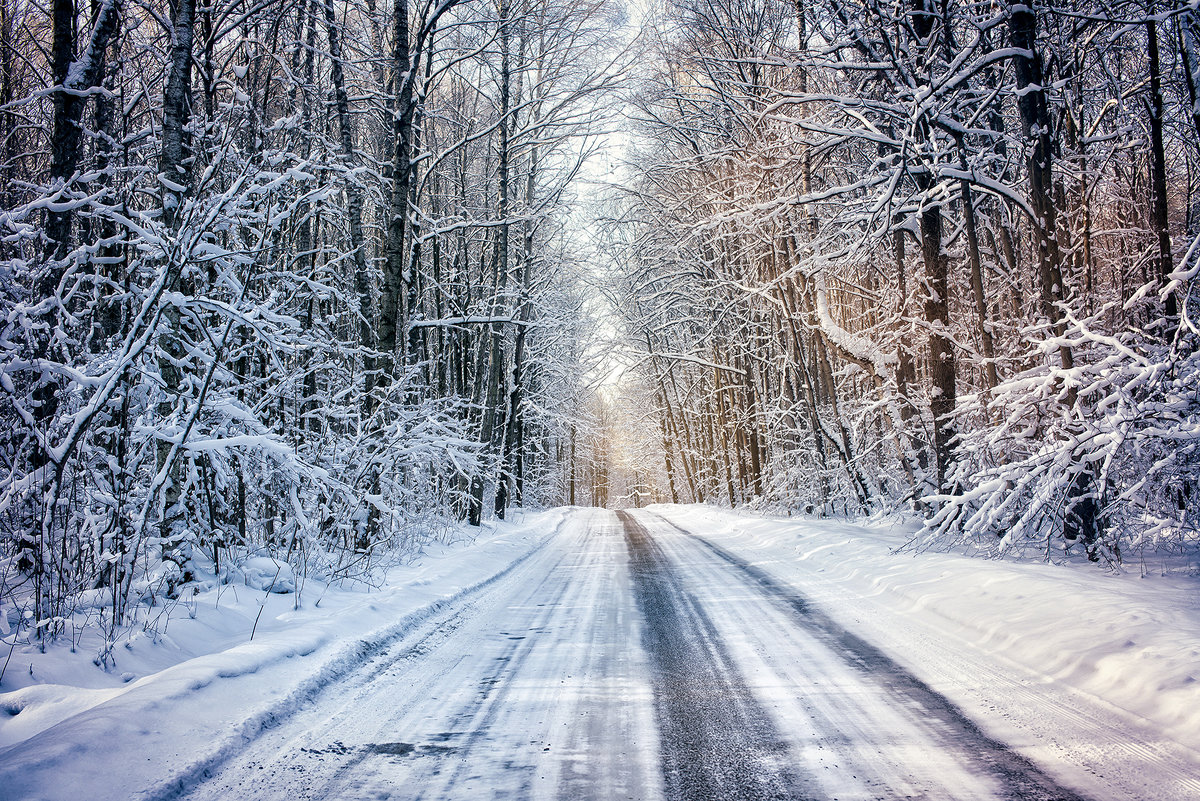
(666, 653)
(760, 695)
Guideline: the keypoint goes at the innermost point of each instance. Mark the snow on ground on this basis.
(1038, 653)
(1034, 651)
(301, 641)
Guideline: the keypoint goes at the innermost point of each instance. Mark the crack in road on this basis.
(716, 740)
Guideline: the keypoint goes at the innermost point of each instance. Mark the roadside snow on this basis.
(1036, 652)
(300, 643)
(269, 575)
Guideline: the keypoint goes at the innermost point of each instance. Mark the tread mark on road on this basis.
(717, 741)
(1019, 777)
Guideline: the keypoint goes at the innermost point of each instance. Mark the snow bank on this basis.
(269, 575)
(69, 716)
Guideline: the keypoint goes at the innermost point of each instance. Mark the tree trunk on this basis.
(354, 206)
(395, 249)
(175, 164)
(941, 350)
(72, 79)
(973, 259)
(1036, 128)
(499, 429)
(1158, 179)
(516, 417)
(175, 172)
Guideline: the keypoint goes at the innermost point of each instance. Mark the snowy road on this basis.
(530, 689)
(629, 659)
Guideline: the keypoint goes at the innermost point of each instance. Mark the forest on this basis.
(326, 279)
(928, 255)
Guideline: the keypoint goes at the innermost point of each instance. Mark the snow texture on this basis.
(1098, 687)
(178, 705)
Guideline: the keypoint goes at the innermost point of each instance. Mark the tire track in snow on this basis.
(532, 694)
(1019, 778)
(716, 740)
(473, 723)
(428, 622)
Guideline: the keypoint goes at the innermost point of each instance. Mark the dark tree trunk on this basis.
(354, 206)
(500, 431)
(1081, 519)
(975, 262)
(68, 114)
(941, 350)
(175, 170)
(70, 100)
(403, 113)
(1158, 178)
(495, 421)
(1036, 128)
(175, 163)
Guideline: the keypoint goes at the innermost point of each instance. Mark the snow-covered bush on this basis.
(1115, 438)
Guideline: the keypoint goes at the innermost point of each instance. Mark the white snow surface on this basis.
(268, 574)
(182, 700)
(1093, 675)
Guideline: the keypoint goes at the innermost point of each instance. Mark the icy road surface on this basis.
(630, 659)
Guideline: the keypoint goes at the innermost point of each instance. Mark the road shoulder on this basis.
(978, 631)
(169, 729)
